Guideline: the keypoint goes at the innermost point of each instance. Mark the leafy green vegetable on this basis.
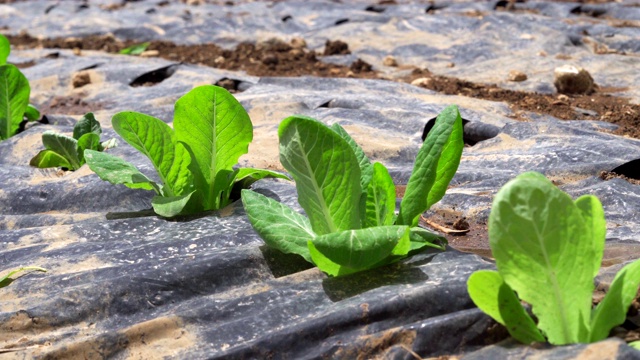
(14, 98)
(548, 248)
(68, 152)
(350, 203)
(32, 113)
(5, 49)
(195, 161)
(4, 280)
(136, 49)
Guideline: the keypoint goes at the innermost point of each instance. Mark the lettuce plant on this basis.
(195, 161)
(135, 49)
(548, 248)
(351, 223)
(14, 95)
(4, 280)
(68, 152)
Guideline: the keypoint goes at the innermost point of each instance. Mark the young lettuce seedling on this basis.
(68, 152)
(350, 203)
(194, 162)
(14, 95)
(4, 280)
(548, 248)
(136, 49)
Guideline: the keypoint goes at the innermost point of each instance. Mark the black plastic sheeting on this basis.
(123, 283)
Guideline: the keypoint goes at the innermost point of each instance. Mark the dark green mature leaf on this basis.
(3, 280)
(612, 310)
(278, 225)
(170, 206)
(117, 171)
(532, 216)
(156, 140)
(14, 98)
(435, 165)
(5, 49)
(492, 295)
(48, 159)
(88, 124)
(362, 248)
(88, 142)
(64, 145)
(381, 198)
(217, 131)
(32, 113)
(326, 172)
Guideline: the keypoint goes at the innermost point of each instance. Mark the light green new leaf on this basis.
(136, 49)
(217, 130)
(362, 248)
(3, 279)
(635, 345)
(380, 198)
(492, 295)
(111, 143)
(612, 310)
(88, 124)
(170, 206)
(117, 171)
(5, 49)
(532, 216)
(14, 98)
(366, 168)
(326, 172)
(325, 264)
(156, 140)
(435, 165)
(64, 145)
(242, 178)
(32, 113)
(49, 159)
(593, 214)
(278, 225)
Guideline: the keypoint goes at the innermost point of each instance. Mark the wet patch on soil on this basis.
(476, 240)
(599, 106)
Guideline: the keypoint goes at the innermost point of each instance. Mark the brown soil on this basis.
(269, 58)
(278, 58)
(475, 241)
(599, 105)
(608, 175)
(69, 105)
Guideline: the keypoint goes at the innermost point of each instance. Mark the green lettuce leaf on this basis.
(435, 166)
(216, 130)
(65, 146)
(87, 125)
(117, 171)
(5, 49)
(278, 225)
(362, 248)
(380, 198)
(32, 113)
(492, 295)
(156, 140)
(326, 172)
(14, 98)
(532, 216)
(612, 310)
(48, 159)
